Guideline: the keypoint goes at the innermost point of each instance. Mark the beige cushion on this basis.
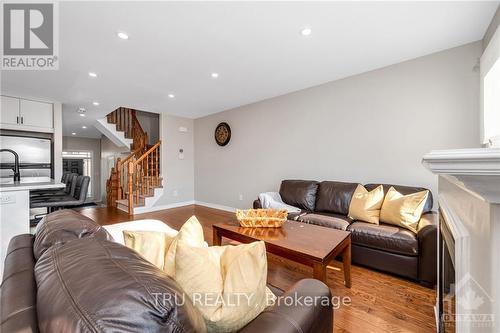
(151, 245)
(365, 206)
(116, 230)
(190, 233)
(226, 283)
(403, 210)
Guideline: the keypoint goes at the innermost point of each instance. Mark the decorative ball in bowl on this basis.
(261, 218)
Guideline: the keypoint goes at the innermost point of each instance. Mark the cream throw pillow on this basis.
(190, 233)
(403, 210)
(150, 244)
(365, 206)
(226, 283)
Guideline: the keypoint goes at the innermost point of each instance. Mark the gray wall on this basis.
(70, 143)
(495, 22)
(177, 173)
(150, 123)
(109, 153)
(372, 127)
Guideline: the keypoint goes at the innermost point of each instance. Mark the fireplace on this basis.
(469, 239)
(446, 278)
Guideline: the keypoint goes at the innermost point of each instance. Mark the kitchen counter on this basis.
(31, 183)
(15, 207)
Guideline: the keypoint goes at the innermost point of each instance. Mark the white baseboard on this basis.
(215, 206)
(142, 210)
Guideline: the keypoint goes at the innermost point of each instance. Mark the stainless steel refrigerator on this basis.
(35, 156)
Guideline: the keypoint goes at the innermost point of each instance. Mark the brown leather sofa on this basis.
(71, 277)
(384, 247)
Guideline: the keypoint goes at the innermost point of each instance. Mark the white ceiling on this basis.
(256, 47)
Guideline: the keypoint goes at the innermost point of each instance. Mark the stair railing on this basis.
(118, 185)
(143, 175)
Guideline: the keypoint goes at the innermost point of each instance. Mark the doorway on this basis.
(80, 162)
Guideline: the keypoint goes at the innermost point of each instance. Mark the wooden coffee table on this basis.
(307, 244)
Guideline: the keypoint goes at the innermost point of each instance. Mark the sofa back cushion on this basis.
(64, 226)
(335, 197)
(299, 193)
(90, 285)
(18, 288)
(404, 190)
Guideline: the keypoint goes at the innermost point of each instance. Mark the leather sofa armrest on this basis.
(427, 247)
(257, 204)
(288, 316)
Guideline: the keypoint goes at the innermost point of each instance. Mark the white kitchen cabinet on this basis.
(26, 115)
(10, 110)
(37, 114)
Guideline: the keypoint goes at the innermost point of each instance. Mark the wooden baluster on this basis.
(145, 174)
(119, 185)
(119, 119)
(129, 124)
(130, 187)
(156, 167)
(122, 117)
(148, 180)
(137, 186)
(125, 123)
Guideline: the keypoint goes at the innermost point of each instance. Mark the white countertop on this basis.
(29, 183)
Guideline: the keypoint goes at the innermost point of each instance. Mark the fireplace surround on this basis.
(446, 294)
(469, 239)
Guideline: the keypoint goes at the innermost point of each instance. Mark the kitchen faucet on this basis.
(17, 174)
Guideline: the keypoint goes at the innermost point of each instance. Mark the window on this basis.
(490, 92)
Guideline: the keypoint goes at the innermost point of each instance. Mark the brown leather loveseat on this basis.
(384, 247)
(71, 277)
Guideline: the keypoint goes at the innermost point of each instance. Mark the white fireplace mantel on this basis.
(477, 169)
(469, 200)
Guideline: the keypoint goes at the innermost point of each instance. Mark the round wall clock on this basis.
(222, 134)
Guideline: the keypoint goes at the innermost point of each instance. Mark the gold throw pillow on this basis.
(403, 210)
(152, 245)
(226, 283)
(190, 233)
(365, 206)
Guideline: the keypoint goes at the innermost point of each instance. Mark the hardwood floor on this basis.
(379, 302)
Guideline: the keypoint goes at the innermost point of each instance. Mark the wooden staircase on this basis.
(136, 177)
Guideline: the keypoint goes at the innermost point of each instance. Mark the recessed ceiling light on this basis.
(122, 35)
(306, 31)
(171, 96)
(73, 133)
(84, 127)
(92, 74)
(95, 103)
(215, 75)
(82, 114)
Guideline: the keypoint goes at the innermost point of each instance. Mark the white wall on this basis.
(70, 143)
(178, 174)
(495, 22)
(372, 127)
(58, 140)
